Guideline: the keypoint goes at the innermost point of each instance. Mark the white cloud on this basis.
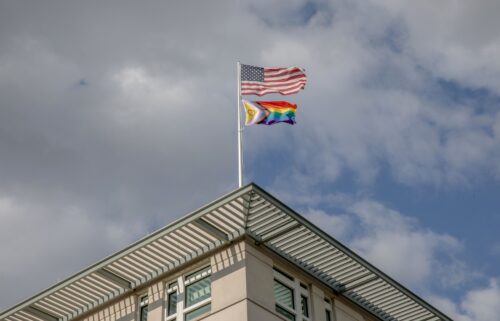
(478, 304)
(397, 244)
(482, 304)
(337, 225)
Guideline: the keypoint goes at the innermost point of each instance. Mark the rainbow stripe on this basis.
(269, 112)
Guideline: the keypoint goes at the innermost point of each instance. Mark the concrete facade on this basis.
(242, 277)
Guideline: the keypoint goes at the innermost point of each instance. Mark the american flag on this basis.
(262, 81)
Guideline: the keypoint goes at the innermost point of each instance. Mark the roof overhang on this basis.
(246, 211)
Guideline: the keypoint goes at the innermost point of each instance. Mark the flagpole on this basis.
(240, 129)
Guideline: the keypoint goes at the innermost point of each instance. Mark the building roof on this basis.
(249, 211)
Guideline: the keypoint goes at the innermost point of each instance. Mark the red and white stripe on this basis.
(284, 81)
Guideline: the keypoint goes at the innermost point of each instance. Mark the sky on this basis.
(117, 117)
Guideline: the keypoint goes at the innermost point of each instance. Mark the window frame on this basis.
(299, 290)
(170, 290)
(179, 286)
(142, 301)
(329, 308)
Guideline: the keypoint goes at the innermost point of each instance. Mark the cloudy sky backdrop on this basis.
(117, 117)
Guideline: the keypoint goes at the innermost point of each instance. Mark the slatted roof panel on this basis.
(274, 225)
(246, 211)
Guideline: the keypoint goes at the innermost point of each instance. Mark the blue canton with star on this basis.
(252, 73)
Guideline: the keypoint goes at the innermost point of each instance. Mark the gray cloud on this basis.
(118, 116)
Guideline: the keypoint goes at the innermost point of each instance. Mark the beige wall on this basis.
(242, 289)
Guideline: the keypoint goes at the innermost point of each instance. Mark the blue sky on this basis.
(115, 119)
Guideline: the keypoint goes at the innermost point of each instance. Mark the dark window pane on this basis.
(172, 303)
(305, 307)
(144, 313)
(283, 295)
(195, 313)
(328, 315)
(285, 313)
(198, 291)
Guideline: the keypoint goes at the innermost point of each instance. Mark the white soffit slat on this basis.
(154, 250)
(186, 245)
(263, 212)
(273, 225)
(328, 260)
(74, 297)
(88, 288)
(203, 234)
(302, 246)
(150, 260)
(265, 220)
(236, 211)
(194, 239)
(170, 246)
(348, 271)
(339, 269)
(421, 316)
(408, 313)
(134, 263)
(280, 230)
(389, 296)
(23, 316)
(177, 254)
(350, 282)
(394, 306)
(238, 220)
(49, 306)
(218, 223)
(298, 239)
(100, 283)
(54, 306)
(123, 271)
(227, 219)
(376, 285)
(322, 252)
(69, 303)
(289, 237)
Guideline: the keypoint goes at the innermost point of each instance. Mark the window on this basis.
(202, 310)
(172, 299)
(304, 306)
(143, 308)
(328, 310)
(291, 296)
(196, 293)
(328, 315)
(283, 295)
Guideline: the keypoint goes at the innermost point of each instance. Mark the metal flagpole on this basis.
(240, 129)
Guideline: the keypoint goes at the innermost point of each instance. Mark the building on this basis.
(245, 256)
